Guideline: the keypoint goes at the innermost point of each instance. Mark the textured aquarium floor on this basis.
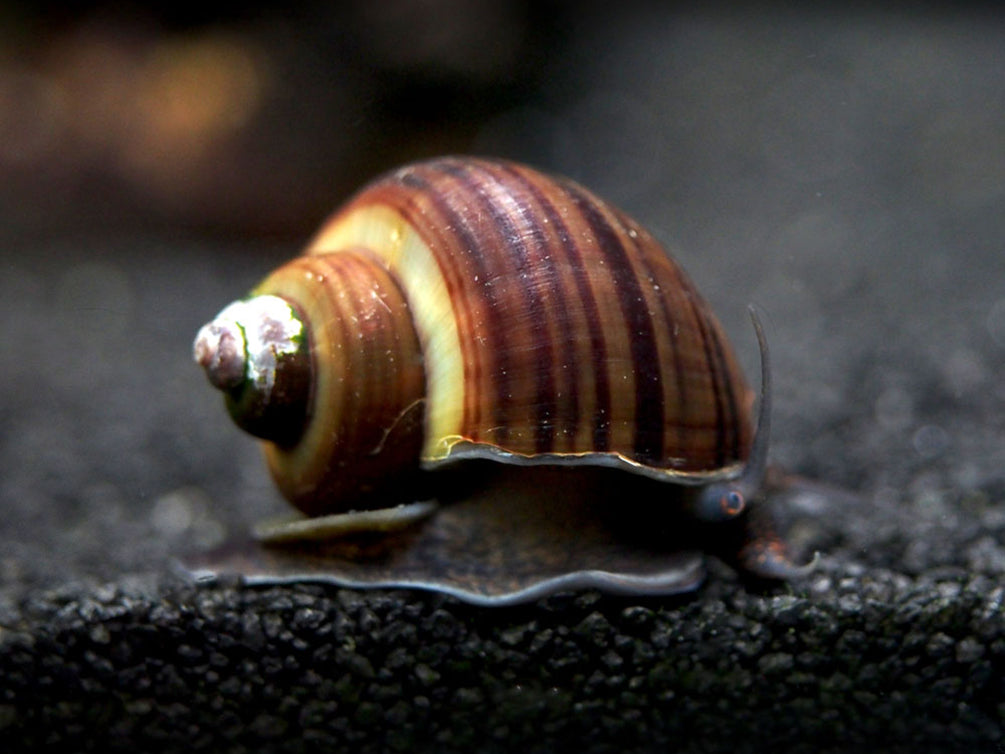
(846, 174)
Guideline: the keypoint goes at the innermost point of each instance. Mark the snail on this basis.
(484, 380)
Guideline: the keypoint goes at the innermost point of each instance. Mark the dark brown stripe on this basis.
(467, 245)
(730, 435)
(560, 415)
(368, 334)
(377, 348)
(332, 282)
(713, 361)
(648, 443)
(598, 348)
(361, 425)
(511, 240)
(417, 216)
(377, 341)
(671, 323)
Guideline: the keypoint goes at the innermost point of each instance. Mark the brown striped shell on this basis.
(542, 320)
(474, 309)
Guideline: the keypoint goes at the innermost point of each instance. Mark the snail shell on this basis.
(463, 309)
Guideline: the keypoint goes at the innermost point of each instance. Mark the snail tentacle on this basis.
(724, 501)
(763, 553)
(753, 475)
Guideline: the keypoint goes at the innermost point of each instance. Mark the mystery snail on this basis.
(487, 381)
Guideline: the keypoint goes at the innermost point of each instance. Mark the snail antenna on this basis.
(753, 474)
(725, 500)
(765, 555)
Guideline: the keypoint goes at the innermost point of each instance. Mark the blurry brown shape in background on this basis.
(123, 115)
(185, 98)
(259, 124)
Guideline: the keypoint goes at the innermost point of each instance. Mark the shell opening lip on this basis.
(466, 450)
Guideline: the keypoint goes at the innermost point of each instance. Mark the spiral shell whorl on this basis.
(550, 323)
(365, 411)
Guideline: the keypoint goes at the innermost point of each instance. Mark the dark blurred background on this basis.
(842, 166)
(258, 120)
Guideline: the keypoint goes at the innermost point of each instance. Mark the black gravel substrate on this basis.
(855, 662)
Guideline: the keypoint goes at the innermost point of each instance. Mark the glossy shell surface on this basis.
(548, 322)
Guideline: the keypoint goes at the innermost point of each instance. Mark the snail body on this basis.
(463, 310)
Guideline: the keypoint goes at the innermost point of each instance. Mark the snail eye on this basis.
(732, 503)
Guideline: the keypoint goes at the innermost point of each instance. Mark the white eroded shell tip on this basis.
(245, 341)
(255, 351)
(219, 349)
